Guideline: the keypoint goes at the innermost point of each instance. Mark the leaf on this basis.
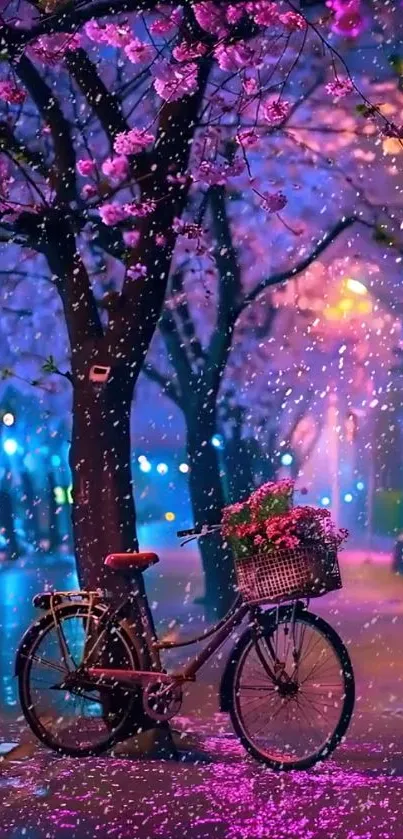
(396, 62)
(383, 237)
(365, 110)
(49, 365)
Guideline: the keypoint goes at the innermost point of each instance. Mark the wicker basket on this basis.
(286, 575)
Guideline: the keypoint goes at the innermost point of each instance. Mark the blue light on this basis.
(287, 459)
(55, 460)
(360, 485)
(325, 501)
(348, 498)
(145, 465)
(10, 446)
(162, 468)
(217, 441)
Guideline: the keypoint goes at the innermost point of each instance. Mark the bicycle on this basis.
(287, 665)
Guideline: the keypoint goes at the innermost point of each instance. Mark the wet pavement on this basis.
(218, 792)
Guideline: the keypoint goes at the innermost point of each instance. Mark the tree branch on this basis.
(51, 113)
(188, 327)
(167, 386)
(69, 18)
(177, 354)
(282, 276)
(20, 152)
(104, 104)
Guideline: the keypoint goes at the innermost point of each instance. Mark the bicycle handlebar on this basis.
(198, 531)
(205, 529)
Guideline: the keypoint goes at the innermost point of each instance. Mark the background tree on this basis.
(221, 328)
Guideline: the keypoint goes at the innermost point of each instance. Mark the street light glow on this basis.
(184, 468)
(287, 459)
(217, 441)
(8, 419)
(356, 287)
(162, 468)
(10, 446)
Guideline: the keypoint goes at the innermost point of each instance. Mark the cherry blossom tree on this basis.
(110, 118)
(226, 332)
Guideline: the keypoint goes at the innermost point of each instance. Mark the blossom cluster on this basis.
(349, 19)
(266, 522)
(50, 49)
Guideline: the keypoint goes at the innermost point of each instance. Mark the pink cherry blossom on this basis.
(210, 174)
(52, 48)
(86, 167)
(264, 12)
(163, 26)
(95, 31)
(250, 87)
(131, 238)
(173, 81)
(235, 13)
(140, 208)
(112, 214)
(88, 191)
(349, 20)
(211, 18)
(234, 57)
(12, 93)
(293, 21)
(116, 168)
(139, 52)
(132, 142)
(186, 51)
(273, 202)
(137, 271)
(248, 138)
(116, 35)
(339, 88)
(187, 229)
(276, 111)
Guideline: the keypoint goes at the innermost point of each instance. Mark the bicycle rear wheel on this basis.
(82, 719)
(292, 692)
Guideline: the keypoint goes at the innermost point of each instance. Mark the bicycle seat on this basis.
(131, 562)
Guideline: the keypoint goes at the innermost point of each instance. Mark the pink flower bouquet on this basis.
(243, 523)
(267, 522)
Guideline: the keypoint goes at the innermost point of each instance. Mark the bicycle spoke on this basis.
(292, 717)
(88, 717)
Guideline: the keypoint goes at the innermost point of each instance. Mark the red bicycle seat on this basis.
(131, 562)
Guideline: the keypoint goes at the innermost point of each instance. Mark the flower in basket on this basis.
(237, 527)
(243, 523)
(305, 527)
(271, 499)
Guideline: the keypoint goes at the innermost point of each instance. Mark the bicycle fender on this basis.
(31, 633)
(267, 620)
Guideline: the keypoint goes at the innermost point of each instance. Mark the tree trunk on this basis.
(104, 519)
(207, 499)
(103, 514)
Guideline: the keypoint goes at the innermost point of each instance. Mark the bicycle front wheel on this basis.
(292, 692)
(74, 717)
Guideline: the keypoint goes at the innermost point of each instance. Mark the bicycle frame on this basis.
(218, 634)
